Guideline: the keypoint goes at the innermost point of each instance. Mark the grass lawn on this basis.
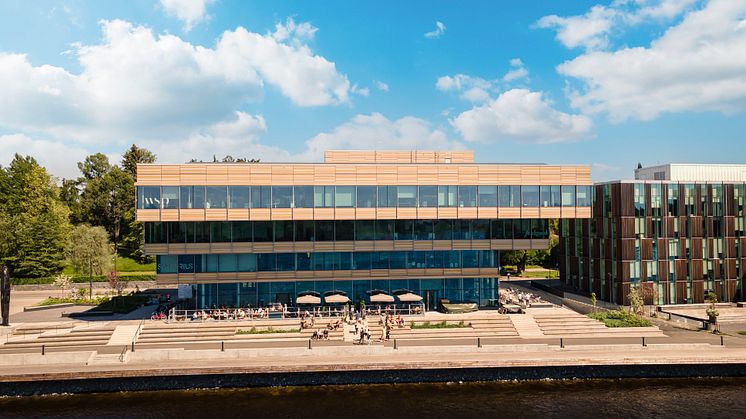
(125, 264)
(441, 325)
(742, 332)
(122, 304)
(618, 318)
(540, 274)
(255, 331)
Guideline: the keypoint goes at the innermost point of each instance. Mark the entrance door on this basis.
(432, 299)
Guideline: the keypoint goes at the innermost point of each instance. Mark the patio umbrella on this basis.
(309, 292)
(402, 291)
(308, 299)
(409, 298)
(381, 298)
(336, 299)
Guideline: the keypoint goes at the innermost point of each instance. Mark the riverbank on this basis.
(169, 369)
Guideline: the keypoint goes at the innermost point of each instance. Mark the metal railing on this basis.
(249, 314)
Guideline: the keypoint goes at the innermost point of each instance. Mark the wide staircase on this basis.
(565, 323)
(54, 336)
(470, 327)
(233, 331)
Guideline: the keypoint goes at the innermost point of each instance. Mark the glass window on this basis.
(556, 200)
(176, 232)
(239, 196)
(304, 231)
(480, 229)
(323, 196)
(364, 230)
(502, 229)
(201, 232)
(539, 229)
(447, 196)
(149, 197)
(387, 196)
(282, 197)
(428, 196)
(283, 231)
(303, 261)
(167, 264)
(515, 196)
(423, 230)
(467, 196)
(220, 232)
(433, 259)
(344, 230)
(186, 264)
(263, 231)
(415, 260)
(443, 229)
(568, 196)
(404, 230)
(242, 231)
(170, 197)
(192, 197)
(211, 263)
(260, 196)
(217, 197)
(325, 230)
(487, 259)
(285, 261)
(366, 196)
(303, 196)
(380, 260)
(461, 230)
(397, 260)
(406, 196)
(227, 263)
(452, 260)
(155, 232)
(503, 196)
(345, 197)
(488, 196)
(583, 197)
(265, 262)
(246, 262)
(361, 260)
(469, 258)
(345, 262)
(530, 196)
(385, 229)
(545, 196)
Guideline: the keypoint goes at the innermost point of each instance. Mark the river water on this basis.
(659, 398)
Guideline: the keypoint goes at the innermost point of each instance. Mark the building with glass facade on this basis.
(677, 240)
(430, 222)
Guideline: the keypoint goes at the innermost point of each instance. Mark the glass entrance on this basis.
(431, 299)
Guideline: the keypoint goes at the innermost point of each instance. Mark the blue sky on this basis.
(605, 83)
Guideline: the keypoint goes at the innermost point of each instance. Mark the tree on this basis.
(94, 166)
(136, 155)
(33, 221)
(63, 282)
(635, 299)
(89, 252)
(712, 312)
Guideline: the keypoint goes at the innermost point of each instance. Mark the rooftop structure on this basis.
(693, 172)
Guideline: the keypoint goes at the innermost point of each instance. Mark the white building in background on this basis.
(683, 172)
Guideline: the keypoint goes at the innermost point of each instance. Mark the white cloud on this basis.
(592, 29)
(521, 115)
(191, 12)
(517, 71)
(375, 131)
(698, 65)
(296, 32)
(362, 91)
(474, 89)
(381, 85)
(440, 29)
(136, 85)
(59, 158)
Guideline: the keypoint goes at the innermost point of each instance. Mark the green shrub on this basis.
(619, 318)
(270, 329)
(441, 325)
(83, 279)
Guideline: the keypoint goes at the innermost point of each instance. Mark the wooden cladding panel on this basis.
(487, 212)
(360, 174)
(386, 213)
(447, 213)
(281, 213)
(529, 212)
(170, 215)
(509, 213)
(238, 214)
(551, 212)
(365, 213)
(148, 215)
(323, 213)
(302, 213)
(467, 212)
(216, 214)
(259, 214)
(406, 213)
(427, 213)
(344, 214)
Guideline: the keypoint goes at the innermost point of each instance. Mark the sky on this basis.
(603, 83)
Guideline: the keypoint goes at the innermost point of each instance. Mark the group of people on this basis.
(231, 314)
(513, 296)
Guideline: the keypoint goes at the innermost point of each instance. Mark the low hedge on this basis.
(620, 318)
(81, 279)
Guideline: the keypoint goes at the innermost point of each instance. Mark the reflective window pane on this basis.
(149, 197)
(556, 196)
(530, 196)
(568, 196)
(217, 197)
(404, 230)
(304, 231)
(239, 196)
(487, 196)
(283, 231)
(260, 196)
(406, 196)
(515, 196)
(344, 230)
(282, 197)
(423, 230)
(242, 231)
(325, 230)
(366, 196)
(447, 196)
(323, 196)
(443, 229)
(344, 197)
(263, 231)
(428, 196)
(467, 196)
(364, 230)
(303, 196)
(385, 229)
(170, 197)
(480, 229)
(583, 196)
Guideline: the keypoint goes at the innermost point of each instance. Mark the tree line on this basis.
(45, 224)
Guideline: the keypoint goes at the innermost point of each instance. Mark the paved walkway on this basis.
(124, 335)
